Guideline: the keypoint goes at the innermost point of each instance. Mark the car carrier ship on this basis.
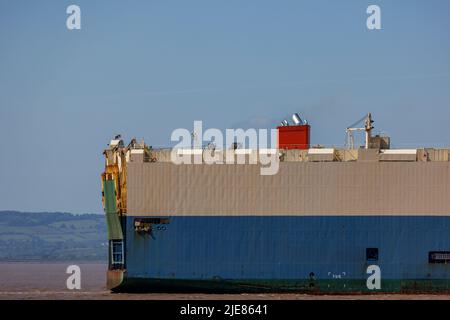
(349, 220)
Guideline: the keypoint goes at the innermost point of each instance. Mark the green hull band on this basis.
(278, 286)
(112, 219)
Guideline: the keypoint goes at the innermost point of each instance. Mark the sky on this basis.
(145, 68)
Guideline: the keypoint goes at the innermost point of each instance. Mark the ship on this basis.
(355, 219)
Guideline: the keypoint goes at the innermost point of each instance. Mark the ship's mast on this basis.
(367, 128)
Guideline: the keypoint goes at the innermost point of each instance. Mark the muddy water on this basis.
(34, 280)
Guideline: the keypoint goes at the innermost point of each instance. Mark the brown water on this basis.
(34, 280)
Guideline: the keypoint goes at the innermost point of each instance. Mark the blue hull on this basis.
(277, 253)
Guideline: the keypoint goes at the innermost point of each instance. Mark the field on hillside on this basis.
(52, 236)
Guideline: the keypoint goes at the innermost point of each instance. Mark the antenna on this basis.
(194, 137)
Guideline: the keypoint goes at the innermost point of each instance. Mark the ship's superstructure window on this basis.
(372, 254)
(117, 252)
(439, 257)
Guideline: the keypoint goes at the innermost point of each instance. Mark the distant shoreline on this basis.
(52, 237)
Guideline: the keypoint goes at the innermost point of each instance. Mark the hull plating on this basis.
(286, 253)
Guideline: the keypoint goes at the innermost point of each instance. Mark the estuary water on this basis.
(45, 280)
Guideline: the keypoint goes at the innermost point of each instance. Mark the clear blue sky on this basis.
(144, 68)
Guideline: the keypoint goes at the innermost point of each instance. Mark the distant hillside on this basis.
(52, 236)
